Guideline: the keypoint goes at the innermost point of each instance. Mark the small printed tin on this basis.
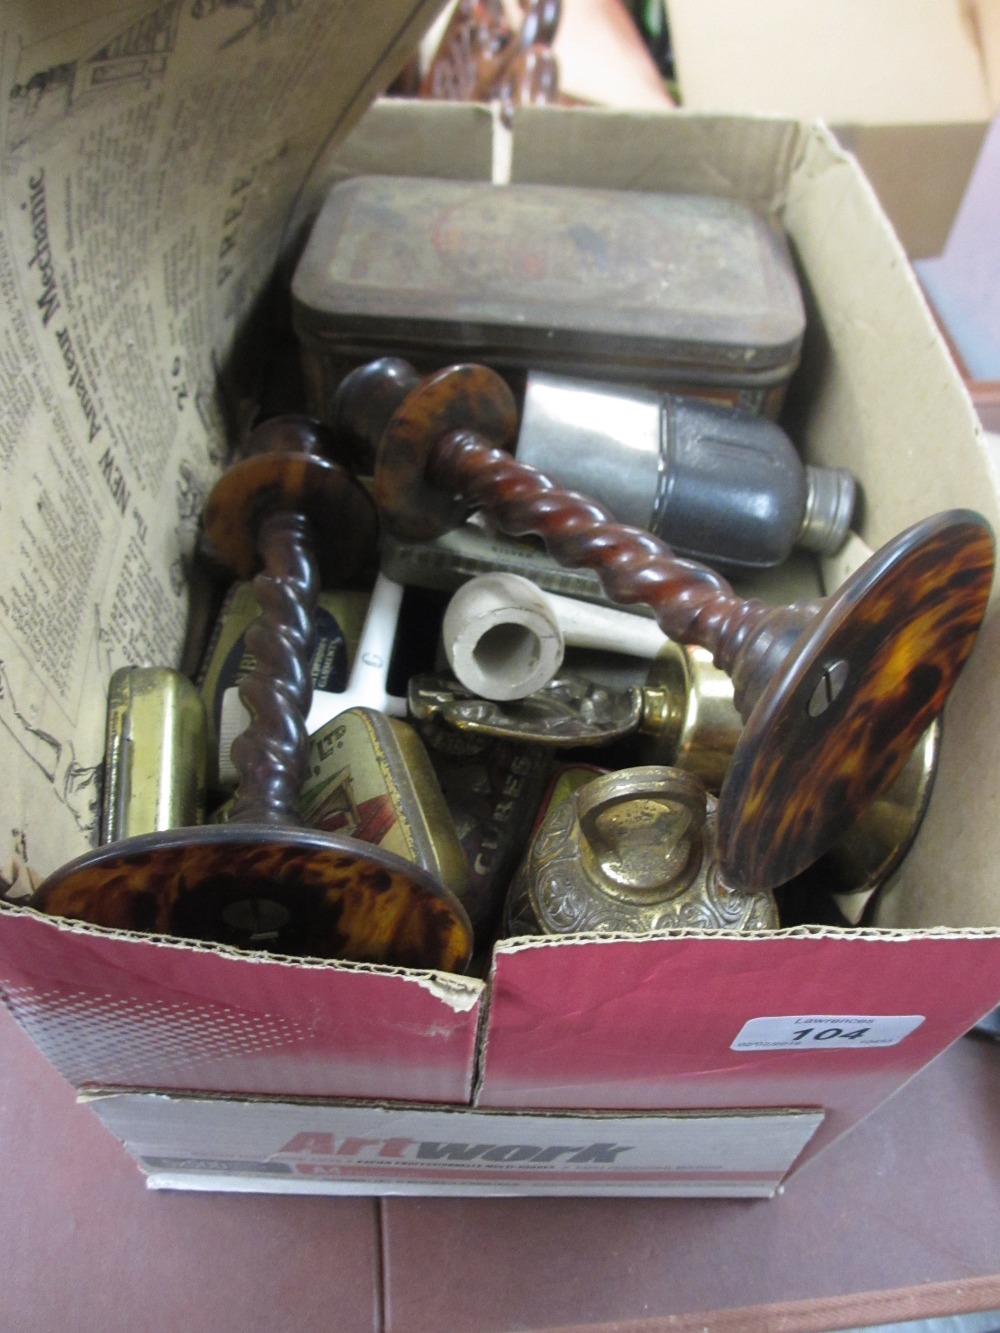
(370, 778)
(155, 753)
(493, 787)
(693, 293)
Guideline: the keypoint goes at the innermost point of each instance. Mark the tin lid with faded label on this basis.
(550, 270)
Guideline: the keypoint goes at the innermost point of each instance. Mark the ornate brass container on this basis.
(631, 851)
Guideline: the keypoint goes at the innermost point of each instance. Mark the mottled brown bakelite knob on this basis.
(260, 880)
(365, 403)
(286, 469)
(406, 491)
(835, 692)
(207, 577)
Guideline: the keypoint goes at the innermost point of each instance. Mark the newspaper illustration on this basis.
(151, 156)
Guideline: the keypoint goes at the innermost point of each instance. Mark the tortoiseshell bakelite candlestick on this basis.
(260, 880)
(365, 403)
(480, 57)
(835, 692)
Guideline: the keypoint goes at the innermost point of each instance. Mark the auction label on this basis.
(802, 1032)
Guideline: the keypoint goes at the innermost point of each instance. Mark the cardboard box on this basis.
(910, 86)
(963, 286)
(684, 1063)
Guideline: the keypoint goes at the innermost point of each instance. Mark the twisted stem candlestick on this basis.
(260, 880)
(835, 692)
(270, 754)
(692, 603)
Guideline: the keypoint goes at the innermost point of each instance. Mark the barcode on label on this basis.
(811, 1032)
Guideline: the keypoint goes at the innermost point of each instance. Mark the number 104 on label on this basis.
(825, 1031)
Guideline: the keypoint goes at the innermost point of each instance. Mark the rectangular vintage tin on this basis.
(689, 292)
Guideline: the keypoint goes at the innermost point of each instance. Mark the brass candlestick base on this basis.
(835, 692)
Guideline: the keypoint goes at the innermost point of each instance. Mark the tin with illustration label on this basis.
(370, 777)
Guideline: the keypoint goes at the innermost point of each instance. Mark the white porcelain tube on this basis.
(504, 638)
(366, 687)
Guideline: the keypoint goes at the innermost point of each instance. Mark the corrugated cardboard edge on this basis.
(461, 994)
(835, 934)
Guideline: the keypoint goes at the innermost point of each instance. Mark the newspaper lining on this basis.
(151, 157)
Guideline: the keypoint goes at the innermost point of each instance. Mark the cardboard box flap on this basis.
(842, 61)
(735, 157)
(452, 140)
(308, 1147)
(908, 87)
(666, 1021)
(855, 413)
(145, 1012)
(846, 404)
